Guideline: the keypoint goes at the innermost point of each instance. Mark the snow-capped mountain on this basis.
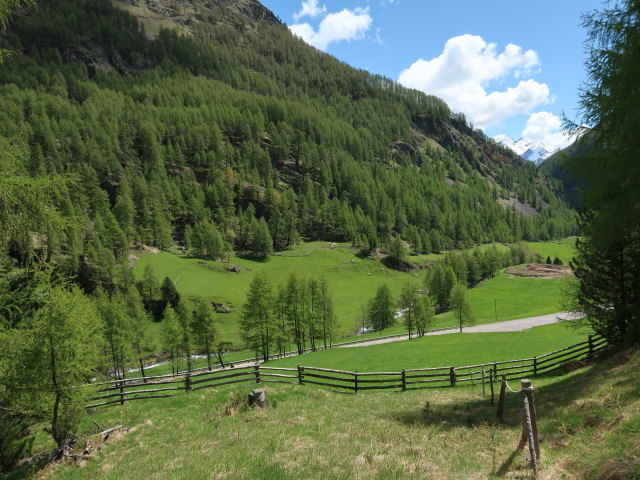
(529, 150)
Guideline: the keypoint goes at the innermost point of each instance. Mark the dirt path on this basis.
(506, 326)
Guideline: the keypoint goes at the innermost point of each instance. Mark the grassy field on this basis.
(442, 350)
(352, 281)
(589, 424)
(502, 298)
(564, 249)
(433, 351)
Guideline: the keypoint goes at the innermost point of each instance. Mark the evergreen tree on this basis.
(425, 314)
(256, 321)
(171, 337)
(116, 327)
(139, 325)
(205, 329)
(410, 306)
(382, 309)
(48, 358)
(168, 294)
(460, 305)
(607, 263)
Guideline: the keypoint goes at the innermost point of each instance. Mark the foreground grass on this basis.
(589, 421)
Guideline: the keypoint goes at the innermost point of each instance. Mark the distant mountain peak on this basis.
(528, 149)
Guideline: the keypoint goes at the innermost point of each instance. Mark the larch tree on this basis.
(50, 358)
(460, 306)
(382, 309)
(256, 320)
(205, 329)
(607, 264)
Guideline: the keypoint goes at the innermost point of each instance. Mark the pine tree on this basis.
(205, 329)
(381, 309)
(256, 321)
(171, 337)
(460, 305)
(607, 263)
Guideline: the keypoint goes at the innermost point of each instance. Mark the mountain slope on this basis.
(180, 117)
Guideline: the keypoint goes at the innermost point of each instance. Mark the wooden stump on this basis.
(258, 399)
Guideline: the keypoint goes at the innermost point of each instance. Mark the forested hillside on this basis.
(224, 131)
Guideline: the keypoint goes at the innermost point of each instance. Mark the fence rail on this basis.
(125, 390)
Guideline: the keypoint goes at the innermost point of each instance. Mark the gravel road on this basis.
(506, 326)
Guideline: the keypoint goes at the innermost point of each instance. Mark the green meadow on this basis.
(352, 281)
(452, 349)
(563, 249)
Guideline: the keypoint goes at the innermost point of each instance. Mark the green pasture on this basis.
(564, 249)
(352, 281)
(453, 349)
(502, 298)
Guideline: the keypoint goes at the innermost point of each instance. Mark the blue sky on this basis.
(513, 67)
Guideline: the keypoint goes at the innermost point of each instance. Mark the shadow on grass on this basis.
(559, 391)
(580, 391)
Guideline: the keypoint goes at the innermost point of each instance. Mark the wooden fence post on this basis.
(530, 423)
(483, 376)
(121, 384)
(535, 366)
(503, 391)
(404, 380)
(300, 375)
(187, 382)
(491, 380)
(355, 379)
(256, 371)
(590, 346)
(452, 376)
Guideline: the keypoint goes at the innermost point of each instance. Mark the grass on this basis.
(563, 249)
(589, 424)
(502, 298)
(442, 350)
(352, 281)
(434, 351)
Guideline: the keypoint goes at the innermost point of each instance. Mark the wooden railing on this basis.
(162, 386)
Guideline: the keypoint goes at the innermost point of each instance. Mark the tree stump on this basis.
(258, 399)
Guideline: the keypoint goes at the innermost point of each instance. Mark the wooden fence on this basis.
(293, 353)
(162, 386)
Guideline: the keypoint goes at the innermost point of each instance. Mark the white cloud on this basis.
(546, 128)
(464, 71)
(310, 8)
(346, 25)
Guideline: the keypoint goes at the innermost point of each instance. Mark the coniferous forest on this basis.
(241, 131)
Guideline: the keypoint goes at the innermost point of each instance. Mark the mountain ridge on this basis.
(535, 152)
